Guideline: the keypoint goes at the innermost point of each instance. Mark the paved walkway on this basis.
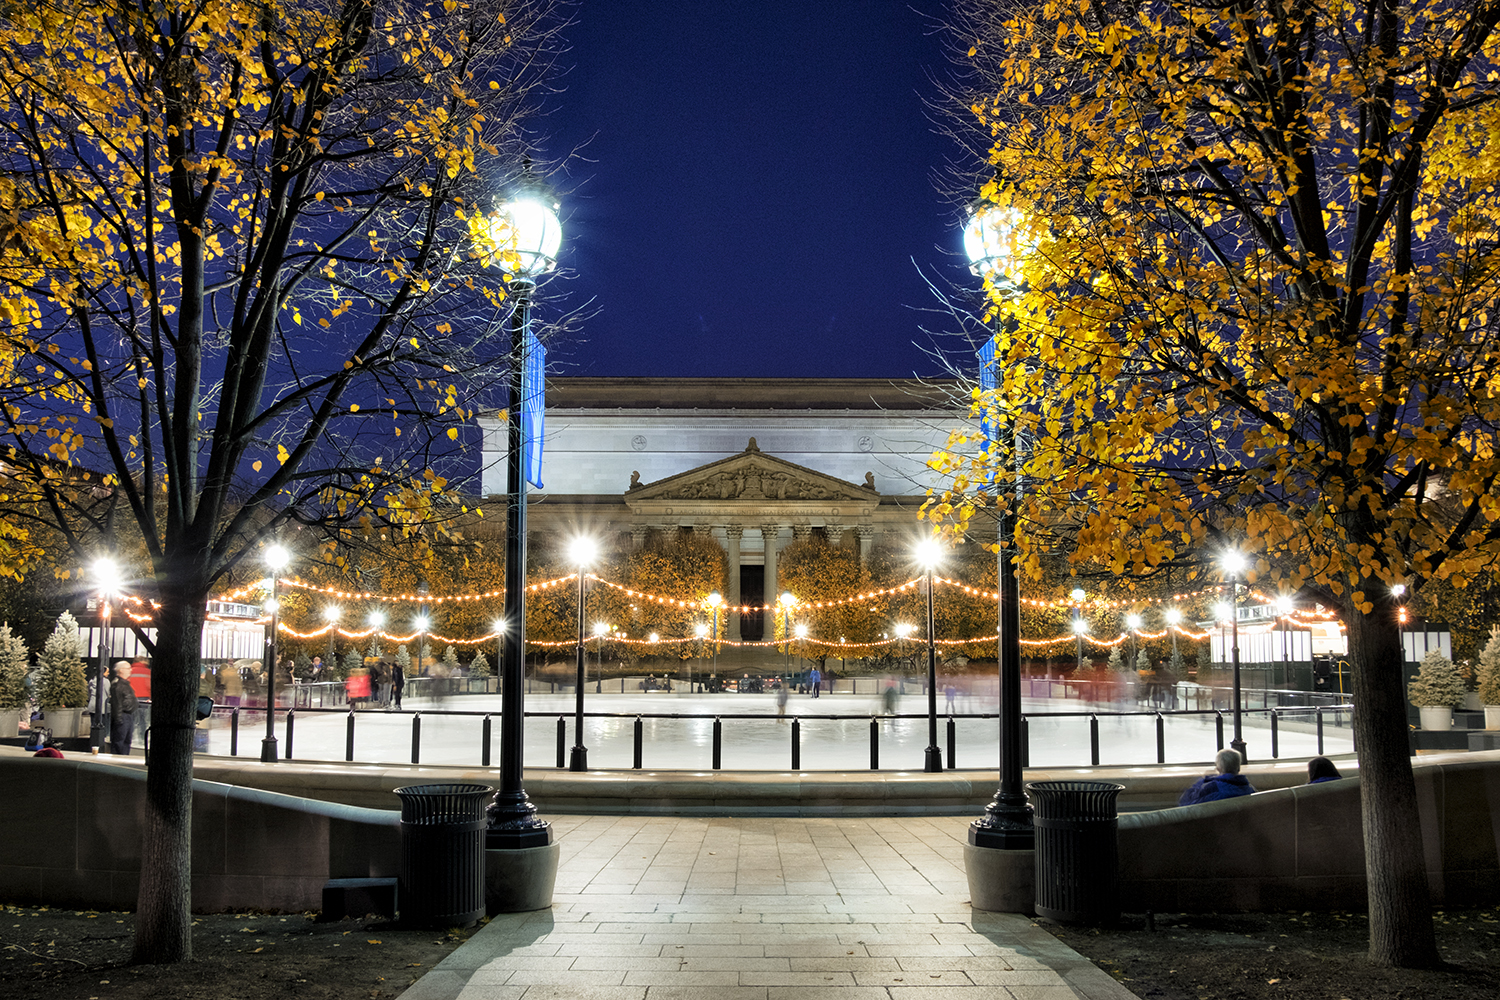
(650, 908)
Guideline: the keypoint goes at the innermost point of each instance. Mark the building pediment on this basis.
(752, 475)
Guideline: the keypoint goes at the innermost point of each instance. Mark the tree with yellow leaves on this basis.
(244, 258)
(1253, 308)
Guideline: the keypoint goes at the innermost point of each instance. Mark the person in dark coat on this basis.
(122, 704)
(1225, 783)
(1321, 769)
(398, 682)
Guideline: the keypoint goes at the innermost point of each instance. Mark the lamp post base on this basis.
(98, 735)
(1005, 825)
(578, 759)
(1239, 745)
(513, 824)
(934, 760)
(268, 750)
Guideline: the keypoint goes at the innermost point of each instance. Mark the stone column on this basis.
(834, 533)
(866, 534)
(732, 535)
(801, 532)
(638, 533)
(771, 533)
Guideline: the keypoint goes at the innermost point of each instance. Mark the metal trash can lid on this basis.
(1073, 799)
(443, 803)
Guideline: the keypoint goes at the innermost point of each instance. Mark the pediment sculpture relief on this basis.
(752, 482)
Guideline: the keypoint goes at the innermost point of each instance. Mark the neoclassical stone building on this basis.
(755, 463)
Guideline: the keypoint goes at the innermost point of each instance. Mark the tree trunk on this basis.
(1400, 906)
(164, 907)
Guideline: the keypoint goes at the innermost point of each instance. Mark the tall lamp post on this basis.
(377, 622)
(528, 236)
(276, 558)
(107, 575)
(929, 553)
(582, 552)
(993, 241)
(1234, 564)
(1133, 622)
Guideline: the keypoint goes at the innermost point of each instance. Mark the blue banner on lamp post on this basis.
(533, 409)
(988, 382)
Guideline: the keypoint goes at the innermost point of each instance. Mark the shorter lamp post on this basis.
(1234, 565)
(903, 631)
(1133, 622)
(377, 622)
(929, 553)
(700, 630)
(715, 603)
(801, 633)
(276, 558)
(1174, 619)
(1080, 629)
(107, 576)
(601, 629)
(582, 551)
(331, 615)
(1079, 625)
(786, 601)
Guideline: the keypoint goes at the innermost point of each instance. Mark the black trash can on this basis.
(1077, 858)
(442, 854)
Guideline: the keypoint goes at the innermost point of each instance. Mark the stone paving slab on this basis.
(781, 919)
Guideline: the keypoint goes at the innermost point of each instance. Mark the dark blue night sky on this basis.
(754, 194)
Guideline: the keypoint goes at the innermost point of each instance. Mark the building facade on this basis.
(754, 463)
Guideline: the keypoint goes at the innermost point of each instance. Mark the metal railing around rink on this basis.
(1320, 718)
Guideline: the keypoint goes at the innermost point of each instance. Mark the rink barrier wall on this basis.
(70, 836)
(1300, 848)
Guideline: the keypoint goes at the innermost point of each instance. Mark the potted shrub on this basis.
(1436, 691)
(1489, 679)
(13, 657)
(63, 687)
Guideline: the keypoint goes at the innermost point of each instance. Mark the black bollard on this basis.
(640, 740)
(796, 744)
(416, 738)
(234, 732)
(874, 744)
(349, 736)
(562, 741)
(718, 743)
(1161, 739)
(1094, 739)
(952, 743)
(484, 738)
(291, 717)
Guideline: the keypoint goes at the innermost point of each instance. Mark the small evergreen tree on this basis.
(351, 662)
(1117, 659)
(373, 649)
(1178, 666)
(13, 657)
(1142, 661)
(1489, 669)
(1205, 658)
(1437, 683)
(450, 661)
(479, 667)
(403, 659)
(62, 682)
(302, 666)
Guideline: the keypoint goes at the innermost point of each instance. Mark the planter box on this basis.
(65, 723)
(1436, 718)
(10, 722)
(1492, 716)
